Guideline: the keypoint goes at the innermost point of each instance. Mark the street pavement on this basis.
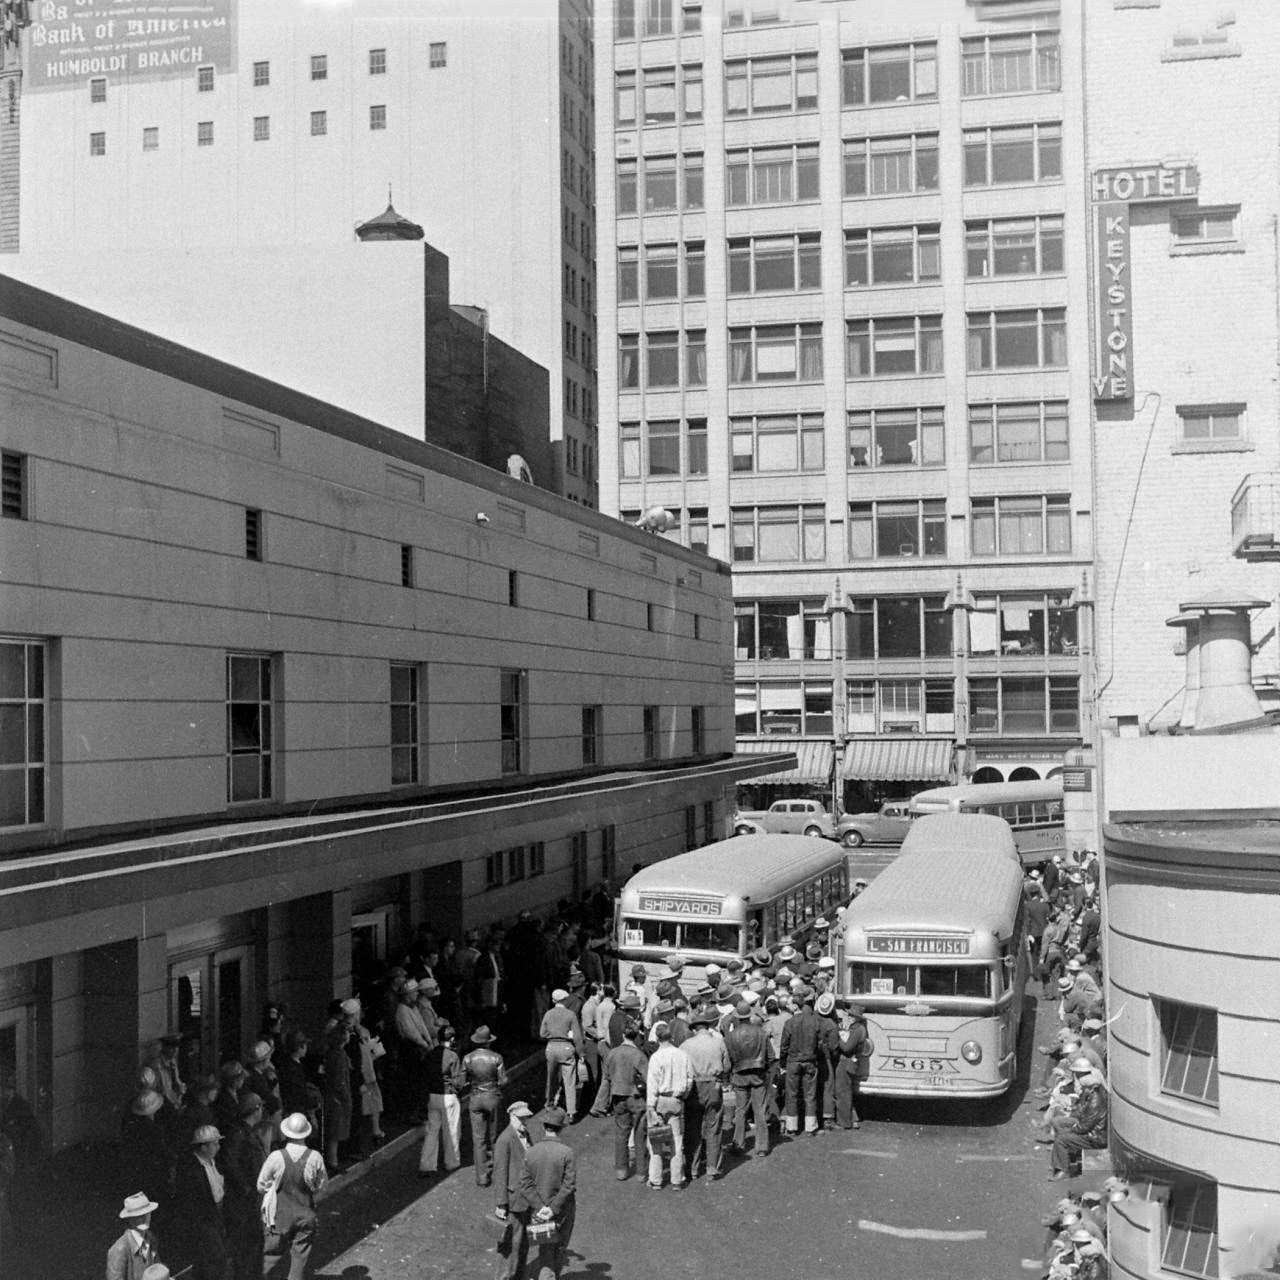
(920, 1192)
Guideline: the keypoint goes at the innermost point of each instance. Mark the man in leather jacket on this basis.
(486, 1075)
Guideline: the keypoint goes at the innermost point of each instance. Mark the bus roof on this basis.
(756, 867)
(979, 793)
(973, 832)
(949, 889)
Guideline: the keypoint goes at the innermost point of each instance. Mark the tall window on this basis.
(776, 353)
(786, 533)
(777, 630)
(1011, 64)
(405, 737)
(249, 727)
(1026, 432)
(1189, 1243)
(1017, 339)
(512, 712)
(319, 123)
(13, 485)
(772, 175)
(624, 19)
(697, 730)
(151, 138)
(1028, 525)
(22, 733)
(891, 166)
(1013, 153)
(319, 66)
(378, 116)
(593, 735)
(204, 79)
(254, 547)
(1013, 246)
(649, 729)
(1188, 1051)
(903, 530)
(891, 255)
(691, 92)
(894, 73)
(887, 345)
(98, 89)
(204, 133)
(377, 62)
(261, 128)
(658, 15)
(98, 144)
(768, 86)
(1025, 705)
(775, 264)
(777, 442)
(896, 438)
(437, 55)
(659, 100)
(890, 627)
(261, 74)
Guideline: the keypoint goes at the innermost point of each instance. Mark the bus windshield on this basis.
(871, 979)
(681, 935)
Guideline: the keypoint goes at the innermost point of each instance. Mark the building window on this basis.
(649, 725)
(754, 13)
(691, 92)
(777, 442)
(1011, 64)
(537, 858)
(515, 864)
(1201, 425)
(1025, 706)
(768, 86)
(663, 363)
(319, 123)
(98, 89)
(493, 869)
(438, 55)
(658, 17)
(1013, 153)
(204, 79)
(608, 852)
(578, 868)
(885, 346)
(261, 74)
(891, 166)
(691, 826)
(771, 175)
(697, 730)
(787, 708)
(378, 117)
(319, 66)
(900, 706)
(1023, 625)
(1036, 431)
(22, 740)
(593, 735)
(1188, 1051)
(709, 822)
(1013, 247)
(699, 540)
(663, 186)
(591, 604)
(659, 95)
(513, 588)
(1017, 339)
(775, 264)
(909, 530)
(892, 627)
(651, 617)
(895, 73)
(97, 144)
(151, 138)
(1189, 1243)
(512, 714)
(776, 353)
(406, 740)
(377, 62)
(1197, 227)
(261, 128)
(406, 565)
(1020, 526)
(624, 98)
(891, 255)
(896, 438)
(13, 485)
(779, 534)
(778, 630)
(249, 727)
(253, 540)
(204, 133)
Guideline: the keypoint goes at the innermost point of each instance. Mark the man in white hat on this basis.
(289, 1182)
(1084, 1127)
(414, 1044)
(137, 1248)
(199, 1191)
(563, 1035)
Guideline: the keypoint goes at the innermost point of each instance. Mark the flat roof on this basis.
(756, 864)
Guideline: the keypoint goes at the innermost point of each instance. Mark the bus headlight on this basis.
(971, 1051)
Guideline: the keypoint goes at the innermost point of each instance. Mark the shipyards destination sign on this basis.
(680, 904)
(72, 41)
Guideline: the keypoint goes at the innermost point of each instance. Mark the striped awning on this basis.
(899, 759)
(813, 759)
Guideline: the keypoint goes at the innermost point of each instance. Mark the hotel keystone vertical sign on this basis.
(1114, 192)
(72, 41)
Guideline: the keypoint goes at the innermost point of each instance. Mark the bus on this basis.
(726, 900)
(1032, 809)
(934, 951)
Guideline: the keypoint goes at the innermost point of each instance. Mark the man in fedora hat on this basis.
(131, 1255)
(164, 1062)
(509, 1202)
(484, 1071)
(563, 1035)
(263, 1079)
(242, 1155)
(704, 1106)
(289, 1181)
(199, 1190)
(853, 1046)
(549, 1187)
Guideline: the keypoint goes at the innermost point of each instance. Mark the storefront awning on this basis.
(813, 760)
(899, 759)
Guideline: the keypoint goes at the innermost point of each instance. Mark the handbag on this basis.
(661, 1139)
(496, 1228)
(376, 1048)
(541, 1233)
(583, 1074)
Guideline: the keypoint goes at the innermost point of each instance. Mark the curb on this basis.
(389, 1150)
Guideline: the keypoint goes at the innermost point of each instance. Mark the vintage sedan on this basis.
(888, 825)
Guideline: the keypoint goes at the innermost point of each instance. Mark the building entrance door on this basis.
(210, 1007)
(15, 1049)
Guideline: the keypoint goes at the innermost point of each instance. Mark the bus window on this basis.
(881, 980)
(964, 980)
(973, 981)
(700, 935)
(755, 928)
(648, 933)
(810, 900)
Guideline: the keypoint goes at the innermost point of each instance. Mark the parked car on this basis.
(807, 817)
(888, 825)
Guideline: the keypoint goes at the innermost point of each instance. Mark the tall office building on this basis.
(844, 310)
(283, 121)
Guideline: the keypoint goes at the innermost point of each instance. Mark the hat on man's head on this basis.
(705, 992)
(249, 1103)
(1065, 984)
(735, 965)
(806, 994)
(639, 971)
(762, 956)
(665, 1008)
(742, 1009)
(1092, 1024)
(296, 1127)
(429, 987)
(712, 971)
(559, 994)
(859, 883)
(825, 1003)
(576, 979)
(411, 985)
(1080, 1235)
(351, 1007)
(1081, 1067)
(796, 983)
(675, 961)
(787, 953)
(821, 923)
(205, 1133)
(137, 1205)
(785, 973)
(521, 1110)
(704, 1018)
(232, 1070)
(1036, 874)
(157, 1271)
(1074, 964)
(482, 1035)
(147, 1103)
(554, 1118)
(812, 951)
(749, 997)
(856, 1011)
(1091, 1197)
(629, 1001)
(826, 963)
(1057, 857)
(262, 1051)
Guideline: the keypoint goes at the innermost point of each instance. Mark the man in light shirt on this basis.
(669, 1080)
(199, 1191)
(290, 1179)
(704, 1107)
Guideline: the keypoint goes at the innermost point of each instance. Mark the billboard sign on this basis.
(70, 42)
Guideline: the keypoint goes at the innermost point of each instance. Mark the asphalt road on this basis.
(920, 1192)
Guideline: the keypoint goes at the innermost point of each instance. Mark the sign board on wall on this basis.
(70, 42)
